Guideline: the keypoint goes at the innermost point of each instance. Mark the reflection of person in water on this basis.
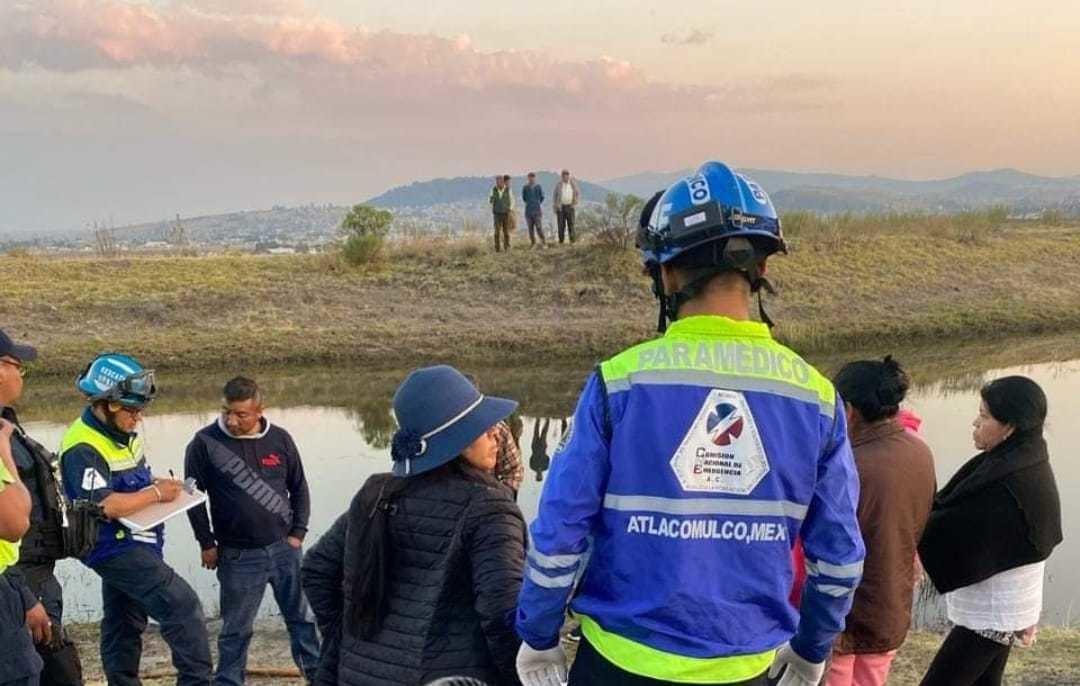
(540, 461)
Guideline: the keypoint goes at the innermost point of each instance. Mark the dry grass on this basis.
(456, 300)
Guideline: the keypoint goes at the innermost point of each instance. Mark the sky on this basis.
(135, 110)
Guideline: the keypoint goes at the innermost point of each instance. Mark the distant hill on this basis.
(470, 189)
(461, 204)
(838, 192)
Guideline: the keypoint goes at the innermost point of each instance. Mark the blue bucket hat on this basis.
(440, 413)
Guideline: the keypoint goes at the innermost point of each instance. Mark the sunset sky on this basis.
(135, 110)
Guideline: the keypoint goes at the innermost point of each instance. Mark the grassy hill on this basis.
(857, 286)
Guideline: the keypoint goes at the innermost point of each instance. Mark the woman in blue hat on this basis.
(419, 579)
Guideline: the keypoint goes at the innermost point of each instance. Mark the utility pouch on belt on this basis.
(81, 527)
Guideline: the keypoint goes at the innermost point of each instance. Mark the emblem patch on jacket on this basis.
(93, 480)
(722, 452)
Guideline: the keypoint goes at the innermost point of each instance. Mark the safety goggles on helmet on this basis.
(136, 390)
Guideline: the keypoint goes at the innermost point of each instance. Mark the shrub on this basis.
(365, 230)
(977, 226)
(362, 249)
(615, 222)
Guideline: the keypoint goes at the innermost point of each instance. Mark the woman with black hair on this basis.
(896, 480)
(419, 580)
(990, 532)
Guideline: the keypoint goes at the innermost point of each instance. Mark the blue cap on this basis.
(9, 348)
(440, 413)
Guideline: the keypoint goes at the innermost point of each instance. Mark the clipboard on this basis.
(157, 513)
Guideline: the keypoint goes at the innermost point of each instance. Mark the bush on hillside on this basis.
(977, 226)
(615, 222)
(365, 230)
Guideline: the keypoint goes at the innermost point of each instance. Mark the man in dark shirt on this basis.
(533, 195)
(259, 505)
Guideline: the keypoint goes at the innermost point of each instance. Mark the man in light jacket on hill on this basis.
(564, 199)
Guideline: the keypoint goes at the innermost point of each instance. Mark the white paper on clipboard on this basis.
(152, 515)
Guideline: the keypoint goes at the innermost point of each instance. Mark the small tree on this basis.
(614, 223)
(365, 230)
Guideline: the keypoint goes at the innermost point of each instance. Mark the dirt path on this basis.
(1054, 661)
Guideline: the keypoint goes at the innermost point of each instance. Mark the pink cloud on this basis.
(284, 42)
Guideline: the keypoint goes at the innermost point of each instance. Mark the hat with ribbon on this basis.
(440, 413)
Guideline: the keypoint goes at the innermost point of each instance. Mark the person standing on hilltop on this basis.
(43, 545)
(532, 194)
(102, 461)
(259, 504)
(692, 463)
(897, 485)
(502, 207)
(565, 198)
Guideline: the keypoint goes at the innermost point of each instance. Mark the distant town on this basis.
(458, 206)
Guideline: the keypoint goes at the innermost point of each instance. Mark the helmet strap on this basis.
(670, 304)
(761, 311)
(760, 285)
(736, 255)
(661, 297)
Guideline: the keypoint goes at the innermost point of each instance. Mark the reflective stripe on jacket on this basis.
(127, 473)
(692, 463)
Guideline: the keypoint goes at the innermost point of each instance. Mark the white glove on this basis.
(796, 670)
(541, 667)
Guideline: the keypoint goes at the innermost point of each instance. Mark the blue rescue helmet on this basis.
(716, 203)
(118, 378)
(716, 220)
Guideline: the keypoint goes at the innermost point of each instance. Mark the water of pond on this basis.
(341, 424)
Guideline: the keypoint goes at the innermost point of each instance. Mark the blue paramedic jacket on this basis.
(96, 461)
(692, 463)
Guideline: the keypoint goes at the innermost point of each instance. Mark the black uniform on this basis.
(41, 547)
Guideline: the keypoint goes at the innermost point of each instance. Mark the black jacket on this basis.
(43, 543)
(1000, 511)
(457, 548)
(258, 492)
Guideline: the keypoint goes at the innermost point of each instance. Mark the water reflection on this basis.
(342, 424)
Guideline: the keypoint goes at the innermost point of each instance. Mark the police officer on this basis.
(43, 544)
(102, 461)
(19, 662)
(693, 462)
